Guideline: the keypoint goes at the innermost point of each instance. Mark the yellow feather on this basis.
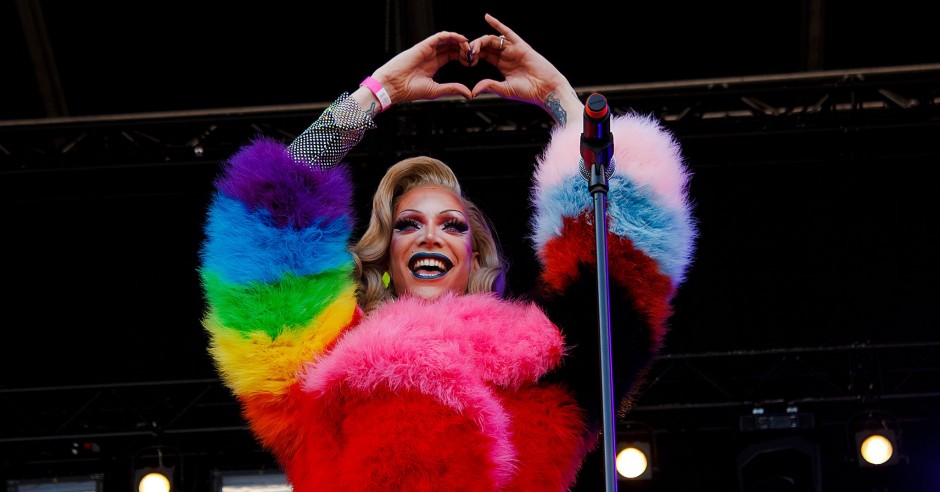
(253, 363)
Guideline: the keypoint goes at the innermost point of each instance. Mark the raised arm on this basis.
(408, 76)
(527, 75)
(275, 265)
(651, 230)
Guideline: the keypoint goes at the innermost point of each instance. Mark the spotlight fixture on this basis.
(153, 471)
(876, 440)
(876, 448)
(153, 479)
(634, 460)
(780, 450)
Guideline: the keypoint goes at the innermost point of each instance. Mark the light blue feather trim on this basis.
(666, 235)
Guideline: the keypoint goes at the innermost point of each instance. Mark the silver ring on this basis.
(502, 39)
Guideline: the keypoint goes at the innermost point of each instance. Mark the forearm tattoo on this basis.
(558, 112)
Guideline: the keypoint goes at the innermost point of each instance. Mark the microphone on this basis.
(597, 144)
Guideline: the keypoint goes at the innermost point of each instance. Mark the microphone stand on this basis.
(596, 155)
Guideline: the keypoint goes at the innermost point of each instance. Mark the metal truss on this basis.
(713, 390)
(837, 105)
(695, 392)
(49, 425)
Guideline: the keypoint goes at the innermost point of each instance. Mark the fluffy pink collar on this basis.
(456, 349)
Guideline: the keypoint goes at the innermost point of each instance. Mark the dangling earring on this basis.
(386, 279)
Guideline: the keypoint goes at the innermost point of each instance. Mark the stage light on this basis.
(780, 451)
(154, 470)
(154, 479)
(634, 460)
(785, 463)
(876, 440)
(876, 448)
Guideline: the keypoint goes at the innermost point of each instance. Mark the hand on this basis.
(409, 75)
(528, 76)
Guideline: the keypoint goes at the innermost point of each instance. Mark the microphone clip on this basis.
(597, 143)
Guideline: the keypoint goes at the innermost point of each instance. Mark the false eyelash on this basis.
(401, 224)
(457, 225)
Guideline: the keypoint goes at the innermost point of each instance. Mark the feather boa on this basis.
(449, 388)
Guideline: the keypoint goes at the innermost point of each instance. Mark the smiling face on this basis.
(431, 251)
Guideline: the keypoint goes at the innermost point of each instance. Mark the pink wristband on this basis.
(376, 87)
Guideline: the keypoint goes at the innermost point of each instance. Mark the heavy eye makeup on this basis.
(410, 223)
(406, 225)
(455, 224)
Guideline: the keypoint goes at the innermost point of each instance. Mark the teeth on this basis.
(429, 262)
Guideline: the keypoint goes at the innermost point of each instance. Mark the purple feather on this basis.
(263, 175)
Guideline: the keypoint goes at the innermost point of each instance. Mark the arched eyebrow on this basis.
(442, 212)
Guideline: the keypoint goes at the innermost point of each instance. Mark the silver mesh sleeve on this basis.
(340, 127)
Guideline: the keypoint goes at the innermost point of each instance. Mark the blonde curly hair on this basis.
(371, 252)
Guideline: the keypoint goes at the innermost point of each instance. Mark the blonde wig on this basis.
(371, 252)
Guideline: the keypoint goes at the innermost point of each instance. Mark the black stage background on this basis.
(811, 128)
